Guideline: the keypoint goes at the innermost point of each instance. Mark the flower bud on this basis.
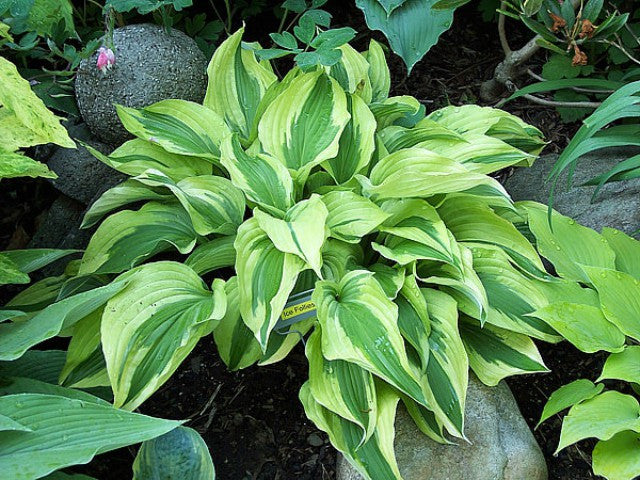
(106, 59)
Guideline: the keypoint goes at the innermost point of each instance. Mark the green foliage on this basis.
(180, 453)
(602, 318)
(411, 26)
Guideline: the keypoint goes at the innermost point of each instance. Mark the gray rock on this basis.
(82, 176)
(617, 204)
(151, 65)
(503, 447)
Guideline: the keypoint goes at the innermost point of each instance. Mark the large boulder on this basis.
(502, 446)
(617, 204)
(151, 65)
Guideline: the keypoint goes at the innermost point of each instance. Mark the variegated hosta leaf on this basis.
(236, 344)
(569, 245)
(379, 74)
(416, 172)
(351, 216)
(63, 430)
(266, 277)
(14, 165)
(480, 153)
(262, 178)
(137, 156)
(462, 282)
(151, 326)
(213, 203)
(447, 373)
(413, 320)
(129, 191)
(352, 73)
(25, 121)
(85, 366)
(425, 420)
(18, 336)
(302, 126)
(126, 238)
(627, 251)
(619, 295)
(237, 83)
(356, 142)
(495, 353)
(212, 255)
(10, 272)
(583, 326)
(471, 221)
(415, 232)
(339, 257)
(473, 119)
(16, 264)
(376, 458)
(359, 325)
(302, 232)
(342, 387)
(390, 279)
(512, 296)
(178, 126)
(396, 137)
(391, 109)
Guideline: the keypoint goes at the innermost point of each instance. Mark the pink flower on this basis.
(106, 59)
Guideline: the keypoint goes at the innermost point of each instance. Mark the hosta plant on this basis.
(312, 207)
(603, 316)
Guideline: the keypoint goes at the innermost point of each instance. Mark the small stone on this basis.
(617, 205)
(150, 65)
(502, 446)
(314, 440)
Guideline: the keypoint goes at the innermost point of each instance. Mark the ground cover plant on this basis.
(313, 206)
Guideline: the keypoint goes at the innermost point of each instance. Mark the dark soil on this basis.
(252, 420)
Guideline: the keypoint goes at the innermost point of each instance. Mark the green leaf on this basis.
(376, 458)
(351, 216)
(10, 272)
(549, 85)
(302, 126)
(14, 165)
(623, 366)
(601, 417)
(24, 120)
(237, 83)
(17, 337)
(392, 109)
(182, 453)
(447, 371)
(627, 251)
(137, 156)
(619, 295)
(417, 172)
(302, 232)
(356, 143)
(617, 458)
(67, 431)
(42, 365)
(127, 238)
(359, 325)
(213, 203)
(495, 353)
(379, 74)
(210, 256)
(36, 258)
(150, 327)
(178, 126)
(583, 326)
(236, 344)
(263, 179)
(569, 395)
(129, 191)
(569, 245)
(266, 277)
(342, 387)
(412, 29)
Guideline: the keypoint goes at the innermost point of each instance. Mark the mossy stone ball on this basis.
(152, 64)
